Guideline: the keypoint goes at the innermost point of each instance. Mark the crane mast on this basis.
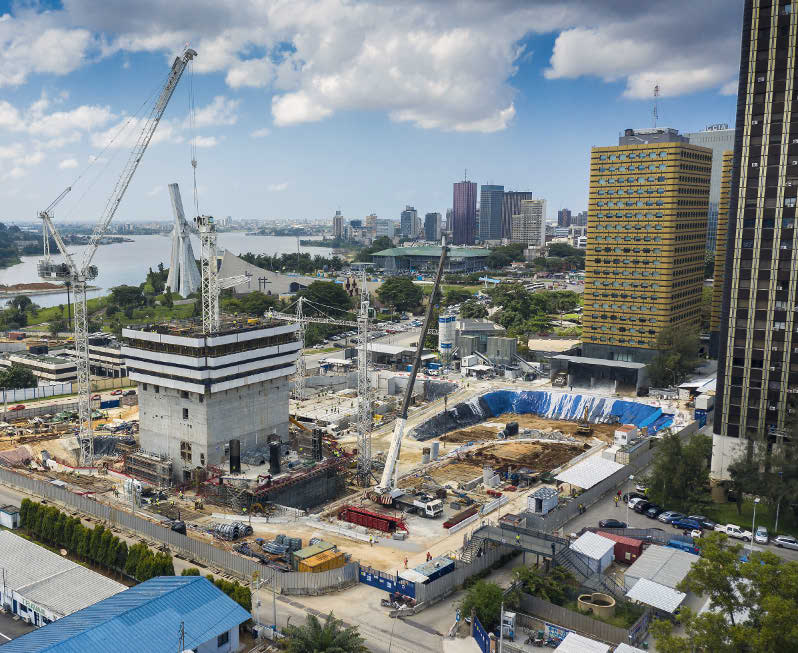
(364, 416)
(80, 276)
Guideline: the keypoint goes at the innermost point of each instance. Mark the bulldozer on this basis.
(583, 426)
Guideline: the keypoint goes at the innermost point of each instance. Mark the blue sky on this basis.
(309, 106)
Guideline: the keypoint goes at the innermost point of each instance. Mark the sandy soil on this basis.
(541, 457)
(605, 432)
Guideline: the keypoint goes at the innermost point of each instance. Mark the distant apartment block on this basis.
(338, 225)
(490, 212)
(432, 227)
(529, 225)
(464, 213)
(511, 205)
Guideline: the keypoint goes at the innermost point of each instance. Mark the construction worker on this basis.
(616, 500)
(405, 562)
(518, 539)
(371, 540)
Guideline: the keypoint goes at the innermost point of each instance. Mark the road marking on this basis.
(6, 636)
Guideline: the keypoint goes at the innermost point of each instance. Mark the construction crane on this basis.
(78, 275)
(387, 491)
(364, 417)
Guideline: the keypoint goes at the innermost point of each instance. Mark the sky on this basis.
(305, 107)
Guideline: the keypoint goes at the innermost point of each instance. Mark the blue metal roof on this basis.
(142, 619)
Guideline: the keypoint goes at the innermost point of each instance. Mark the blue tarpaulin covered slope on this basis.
(554, 405)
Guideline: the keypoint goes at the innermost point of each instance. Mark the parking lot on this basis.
(10, 629)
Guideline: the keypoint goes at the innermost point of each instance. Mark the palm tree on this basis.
(332, 637)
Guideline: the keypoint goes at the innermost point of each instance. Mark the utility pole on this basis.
(182, 636)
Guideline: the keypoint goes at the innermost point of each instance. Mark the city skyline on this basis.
(265, 134)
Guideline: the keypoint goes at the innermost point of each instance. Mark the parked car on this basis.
(642, 506)
(705, 522)
(116, 393)
(128, 393)
(670, 515)
(694, 534)
(612, 523)
(761, 535)
(641, 487)
(633, 502)
(654, 511)
(96, 397)
(732, 530)
(785, 542)
(686, 524)
(633, 495)
(18, 407)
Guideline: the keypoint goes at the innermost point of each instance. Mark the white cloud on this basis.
(221, 111)
(66, 164)
(256, 73)
(276, 188)
(155, 190)
(206, 141)
(729, 88)
(11, 151)
(260, 133)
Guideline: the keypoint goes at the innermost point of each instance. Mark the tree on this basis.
(677, 357)
(457, 296)
(190, 571)
(127, 297)
(167, 299)
(679, 474)
(551, 587)
(486, 600)
(330, 297)
(17, 376)
(706, 308)
(472, 309)
(753, 603)
(331, 637)
(401, 293)
(59, 325)
(379, 244)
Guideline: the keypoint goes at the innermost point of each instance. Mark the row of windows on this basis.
(633, 168)
(632, 191)
(625, 273)
(633, 155)
(620, 341)
(623, 318)
(616, 329)
(628, 250)
(624, 284)
(603, 181)
(631, 203)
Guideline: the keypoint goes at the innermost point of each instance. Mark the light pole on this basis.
(631, 478)
(753, 524)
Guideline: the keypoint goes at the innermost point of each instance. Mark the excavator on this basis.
(583, 426)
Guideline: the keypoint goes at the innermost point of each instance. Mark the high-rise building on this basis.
(564, 218)
(464, 213)
(384, 227)
(529, 225)
(490, 212)
(580, 220)
(371, 225)
(720, 254)
(718, 138)
(448, 225)
(410, 223)
(511, 205)
(647, 221)
(758, 358)
(432, 227)
(338, 225)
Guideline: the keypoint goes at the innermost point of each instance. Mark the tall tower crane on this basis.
(79, 274)
(364, 417)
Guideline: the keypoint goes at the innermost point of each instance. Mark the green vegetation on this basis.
(379, 244)
(552, 587)
(241, 594)
(485, 599)
(500, 257)
(524, 313)
(677, 358)
(17, 376)
(190, 571)
(330, 637)
(561, 258)
(142, 564)
(679, 476)
(706, 308)
(709, 265)
(456, 296)
(401, 293)
(303, 263)
(743, 515)
(473, 309)
(765, 588)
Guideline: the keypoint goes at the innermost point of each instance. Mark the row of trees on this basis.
(679, 475)
(561, 258)
(17, 376)
(294, 262)
(523, 313)
(95, 545)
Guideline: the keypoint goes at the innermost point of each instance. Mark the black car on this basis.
(654, 511)
(611, 523)
(632, 495)
(705, 522)
(642, 506)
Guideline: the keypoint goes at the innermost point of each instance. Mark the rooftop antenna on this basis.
(465, 175)
(656, 95)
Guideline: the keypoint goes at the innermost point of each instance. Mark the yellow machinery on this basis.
(584, 428)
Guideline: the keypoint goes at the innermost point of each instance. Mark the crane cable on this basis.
(193, 130)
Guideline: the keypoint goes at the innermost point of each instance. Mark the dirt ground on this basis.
(605, 432)
(541, 457)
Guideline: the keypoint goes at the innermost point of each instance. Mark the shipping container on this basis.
(627, 549)
(436, 568)
(324, 561)
(460, 516)
(309, 552)
(371, 519)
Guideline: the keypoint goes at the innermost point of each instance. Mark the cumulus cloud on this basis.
(221, 111)
(260, 133)
(66, 164)
(206, 141)
(276, 188)
(434, 64)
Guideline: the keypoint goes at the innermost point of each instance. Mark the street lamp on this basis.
(631, 478)
(753, 524)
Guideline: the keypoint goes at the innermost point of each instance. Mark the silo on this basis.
(235, 456)
(435, 450)
(446, 325)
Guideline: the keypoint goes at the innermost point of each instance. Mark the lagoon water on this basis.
(127, 263)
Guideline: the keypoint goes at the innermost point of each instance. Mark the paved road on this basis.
(10, 629)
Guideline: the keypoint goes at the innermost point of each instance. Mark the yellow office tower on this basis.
(647, 224)
(720, 253)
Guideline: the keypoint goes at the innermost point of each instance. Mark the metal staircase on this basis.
(471, 549)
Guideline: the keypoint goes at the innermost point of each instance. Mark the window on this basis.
(202, 460)
(144, 387)
(223, 639)
(185, 451)
(201, 398)
(789, 202)
(157, 389)
(185, 413)
(184, 394)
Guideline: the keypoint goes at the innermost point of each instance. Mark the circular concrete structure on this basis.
(601, 605)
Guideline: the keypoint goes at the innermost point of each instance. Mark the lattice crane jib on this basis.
(79, 277)
(301, 368)
(209, 273)
(364, 421)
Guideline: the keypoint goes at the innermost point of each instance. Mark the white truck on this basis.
(424, 505)
(734, 531)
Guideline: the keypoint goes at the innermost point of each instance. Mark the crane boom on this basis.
(386, 490)
(79, 277)
(178, 66)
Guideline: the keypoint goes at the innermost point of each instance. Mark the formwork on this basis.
(324, 561)
(149, 467)
(300, 556)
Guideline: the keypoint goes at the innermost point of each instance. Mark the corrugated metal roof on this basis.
(589, 472)
(660, 564)
(545, 493)
(621, 539)
(658, 596)
(593, 546)
(50, 580)
(574, 643)
(625, 648)
(142, 619)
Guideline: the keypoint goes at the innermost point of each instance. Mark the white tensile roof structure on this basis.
(587, 473)
(184, 277)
